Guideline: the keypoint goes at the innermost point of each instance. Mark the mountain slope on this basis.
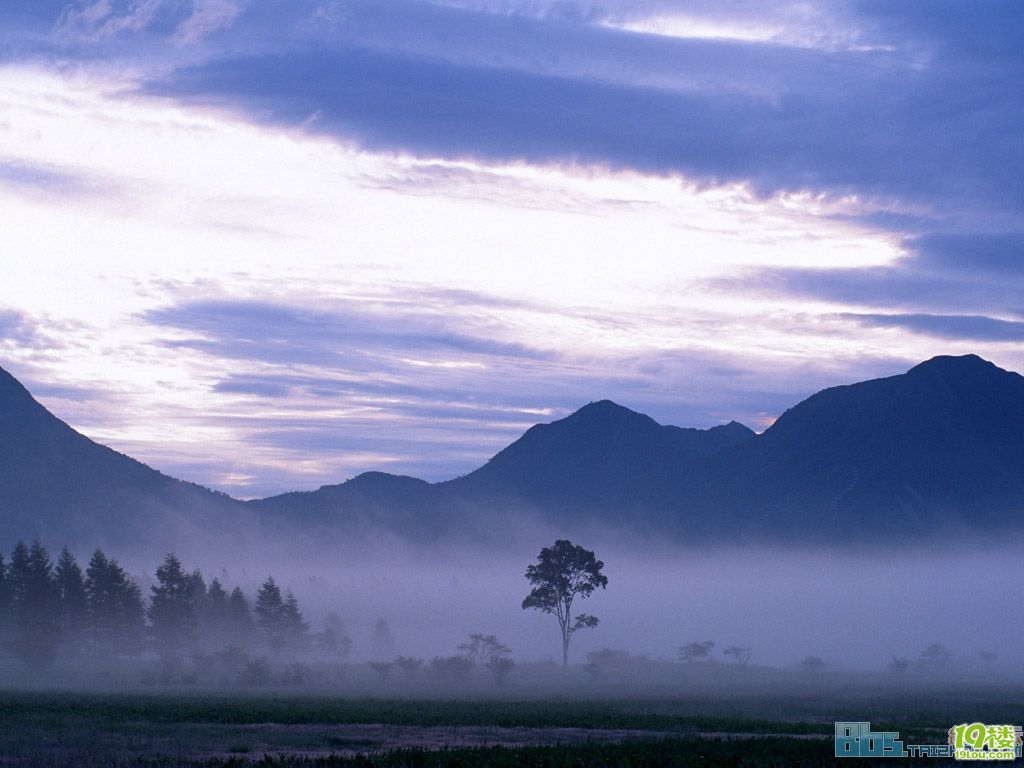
(603, 458)
(602, 463)
(941, 445)
(395, 503)
(935, 449)
(57, 484)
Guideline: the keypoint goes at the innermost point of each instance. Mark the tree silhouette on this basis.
(34, 635)
(740, 654)
(696, 651)
(334, 640)
(382, 642)
(935, 656)
(563, 573)
(172, 611)
(481, 648)
(899, 664)
(296, 631)
(5, 600)
(450, 667)
(239, 618)
(200, 607)
(500, 667)
(408, 664)
(115, 613)
(212, 618)
(270, 621)
(74, 608)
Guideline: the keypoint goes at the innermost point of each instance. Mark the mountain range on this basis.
(939, 448)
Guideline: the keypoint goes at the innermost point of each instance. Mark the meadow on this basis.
(218, 729)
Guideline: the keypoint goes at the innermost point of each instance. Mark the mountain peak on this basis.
(603, 407)
(373, 480)
(955, 364)
(605, 414)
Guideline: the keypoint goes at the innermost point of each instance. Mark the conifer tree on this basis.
(172, 610)
(101, 605)
(73, 604)
(115, 613)
(130, 618)
(296, 631)
(270, 615)
(239, 618)
(217, 596)
(34, 635)
(212, 616)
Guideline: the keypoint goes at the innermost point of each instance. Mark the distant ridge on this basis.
(938, 448)
(601, 456)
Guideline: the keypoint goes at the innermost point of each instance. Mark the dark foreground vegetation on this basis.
(99, 615)
(128, 730)
(681, 752)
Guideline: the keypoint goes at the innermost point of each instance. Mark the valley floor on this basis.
(130, 730)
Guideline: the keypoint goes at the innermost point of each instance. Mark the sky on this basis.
(266, 246)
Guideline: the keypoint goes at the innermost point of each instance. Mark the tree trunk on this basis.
(565, 650)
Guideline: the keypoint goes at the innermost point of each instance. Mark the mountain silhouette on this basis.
(55, 481)
(941, 445)
(939, 448)
(406, 505)
(603, 457)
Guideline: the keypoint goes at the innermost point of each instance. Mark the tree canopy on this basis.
(562, 574)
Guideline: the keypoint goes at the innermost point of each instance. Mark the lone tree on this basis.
(696, 651)
(740, 654)
(561, 574)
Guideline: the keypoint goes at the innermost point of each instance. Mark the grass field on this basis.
(208, 729)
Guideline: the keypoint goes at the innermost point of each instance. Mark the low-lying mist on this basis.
(852, 610)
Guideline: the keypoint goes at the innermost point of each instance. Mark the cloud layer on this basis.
(353, 235)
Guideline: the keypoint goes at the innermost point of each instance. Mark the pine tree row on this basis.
(49, 610)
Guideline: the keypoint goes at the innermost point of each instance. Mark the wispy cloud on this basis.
(299, 226)
(1000, 254)
(940, 273)
(188, 21)
(970, 327)
(209, 16)
(101, 19)
(17, 327)
(53, 182)
(350, 334)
